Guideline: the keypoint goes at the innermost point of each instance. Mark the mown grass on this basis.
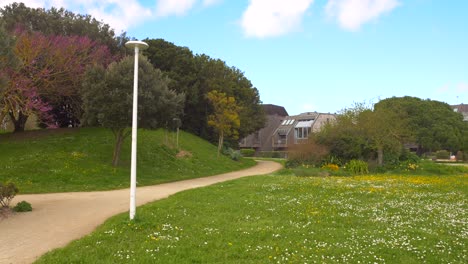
(288, 219)
(80, 160)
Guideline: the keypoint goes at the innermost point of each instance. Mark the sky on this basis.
(310, 55)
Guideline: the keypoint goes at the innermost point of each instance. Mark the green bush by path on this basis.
(80, 160)
(286, 219)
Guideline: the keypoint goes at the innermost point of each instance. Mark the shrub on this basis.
(310, 153)
(7, 193)
(23, 206)
(247, 152)
(233, 154)
(357, 167)
(459, 155)
(331, 167)
(442, 154)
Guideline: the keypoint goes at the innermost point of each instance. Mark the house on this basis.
(282, 131)
(261, 140)
(463, 109)
(296, 129)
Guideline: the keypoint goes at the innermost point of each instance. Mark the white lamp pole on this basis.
(137, 45)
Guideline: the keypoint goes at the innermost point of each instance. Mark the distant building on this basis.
(261, 140)
(297, 129)
(282, 131)
(463, 109)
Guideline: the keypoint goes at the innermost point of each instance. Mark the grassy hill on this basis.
(65, 160)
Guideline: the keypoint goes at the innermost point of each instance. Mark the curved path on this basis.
(60, 218)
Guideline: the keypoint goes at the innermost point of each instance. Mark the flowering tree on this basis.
(225, 118)
(49, 75)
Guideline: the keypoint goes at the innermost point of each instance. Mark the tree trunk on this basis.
(380, 155)
(20, 122)
(119, 138)
(220, 142)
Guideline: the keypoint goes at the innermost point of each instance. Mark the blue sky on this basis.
(311, 55)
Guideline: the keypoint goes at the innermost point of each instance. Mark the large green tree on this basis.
(107, 99)
(433, 124)
(197, 75)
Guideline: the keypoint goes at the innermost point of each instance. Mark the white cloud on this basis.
(462, 87)
(211, 2)
(269, 18)
(174, 7)
(119, 14)
(351, 14)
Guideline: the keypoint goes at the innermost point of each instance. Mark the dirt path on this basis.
(59, 218)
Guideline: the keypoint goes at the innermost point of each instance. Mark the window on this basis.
(302, 132)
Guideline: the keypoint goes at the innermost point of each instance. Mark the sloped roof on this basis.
(271, 109)
(461, 108)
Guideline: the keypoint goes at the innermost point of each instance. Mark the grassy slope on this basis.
(80, 160)
(285, 219)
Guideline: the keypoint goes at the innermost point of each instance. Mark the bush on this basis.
(23, 206)
(357, 167)
(310, 153)
(233, 154)
(442, 154)
(247, 152)
(7, 193)
(460, 156)
(331, 167)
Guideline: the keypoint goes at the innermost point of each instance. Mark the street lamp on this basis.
(137, 45)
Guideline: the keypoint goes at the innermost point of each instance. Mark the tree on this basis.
(50, 71)
(433, 124)
(225, 118)
(360, 131)
(107, 99)
(8, 61)
(385, 129)
(198, 75)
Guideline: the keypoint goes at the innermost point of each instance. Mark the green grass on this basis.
(287, 219)
(80, 160)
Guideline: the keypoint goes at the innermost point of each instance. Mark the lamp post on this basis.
(137, 45)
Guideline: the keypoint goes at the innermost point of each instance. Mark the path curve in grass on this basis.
(59, 218)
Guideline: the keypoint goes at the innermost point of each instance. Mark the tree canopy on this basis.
(196, 76)
(433, 124)
(107, 99)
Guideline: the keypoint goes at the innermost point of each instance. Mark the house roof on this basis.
(271, 109)
(305, 123)
(461, 108)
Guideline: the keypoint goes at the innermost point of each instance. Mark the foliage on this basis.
(49, 74)
(198, 75)
(330, 166)
(7, 193)
(79, 160)
(233, 154)
(23, 206)
(442, 154)
(433, 124)
(225, 117)
(60, 22)
(310, 153)
(286, 219)
(247, 152)
(107, 99)
(357, 167)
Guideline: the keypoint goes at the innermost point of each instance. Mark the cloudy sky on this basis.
(311, 55)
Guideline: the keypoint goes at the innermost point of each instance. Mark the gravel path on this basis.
(60, 218)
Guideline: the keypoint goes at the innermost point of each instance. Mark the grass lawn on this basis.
(288, 219)
(80, 160)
